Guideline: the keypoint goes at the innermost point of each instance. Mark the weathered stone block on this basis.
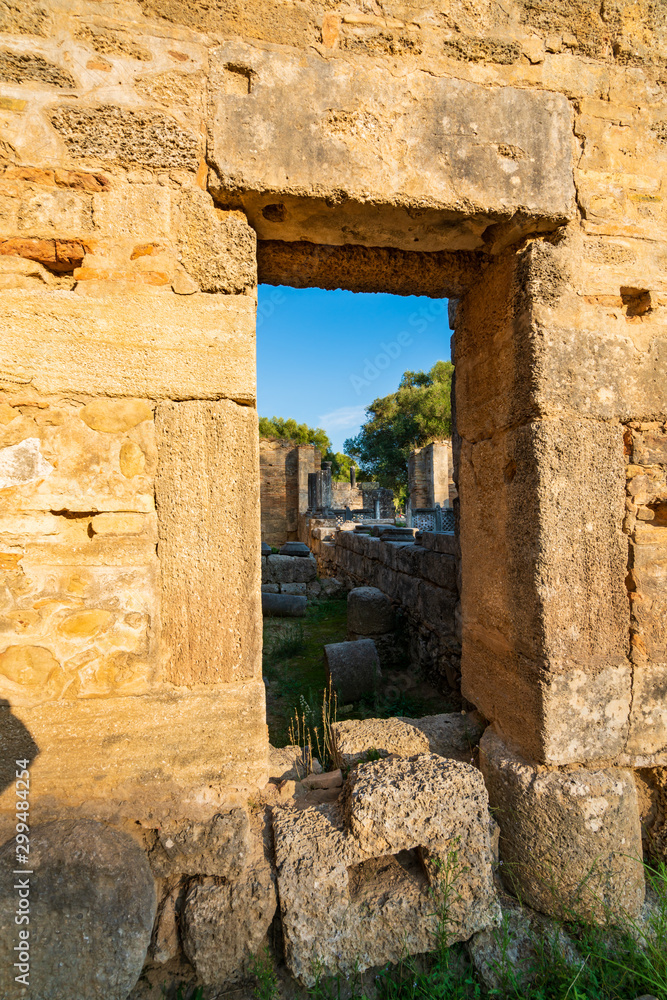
(219, 251)
(219, 847)
(91, 906)
(544, 600)
(487, 148)
(101, 345)
(21, 67)
(440, 569)
(225, 925)
(570, 840)
(284, 605)
(452, 734)
(208, 525)
(352, 668)
(422, 810)
(124, 756)
(354, 738)
(369, 612)
(289, 569)
(441, 542)
(124, 135)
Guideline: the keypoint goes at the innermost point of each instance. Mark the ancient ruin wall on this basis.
(129, 459)
(283, 482)
(421, 580)
(429, 474)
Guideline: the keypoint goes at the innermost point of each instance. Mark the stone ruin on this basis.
(158, 159)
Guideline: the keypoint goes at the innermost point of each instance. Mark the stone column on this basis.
(327, 489)
(550, 368)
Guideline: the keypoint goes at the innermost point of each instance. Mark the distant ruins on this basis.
(158, 159)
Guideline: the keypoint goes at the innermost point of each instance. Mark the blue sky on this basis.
(322, 357)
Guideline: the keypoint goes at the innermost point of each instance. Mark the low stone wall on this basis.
(420, 579)
(296, 575)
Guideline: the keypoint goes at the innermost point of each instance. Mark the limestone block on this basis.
(101, 345)
(352, 668)
(544, 587)
(207, 498)
(289, 569)
(123, 135)
(23, 463)
(165, 942)
(224, 926)
(220, 846)
(369, 612)
(346, 905)
(270, 588)
(488, 148)
(365, 269)
(439, 569)
(440, 542)
(295, 549)
(452, 734)
(24, 19)
(354, 738)
(21, 67)
(435, 605)
(92, 906)
(295, 589)
(284, 605)
(218, 250)
(123, 757)
(570, 841)
(331, 587)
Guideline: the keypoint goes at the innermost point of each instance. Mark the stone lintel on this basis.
(334, 151)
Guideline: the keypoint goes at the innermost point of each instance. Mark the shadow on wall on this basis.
(16, 743)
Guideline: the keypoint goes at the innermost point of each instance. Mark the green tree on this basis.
(289, 430)
(340, 466)
(420, 411)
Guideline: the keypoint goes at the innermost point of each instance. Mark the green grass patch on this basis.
(293, 666)
(293, 663)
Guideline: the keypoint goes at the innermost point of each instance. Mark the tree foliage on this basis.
(289, 430)
(420, 411)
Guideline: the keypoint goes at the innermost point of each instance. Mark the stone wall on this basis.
(128, 438)
(510, 156)
(283, 481)
(420, 579)
(429, 475)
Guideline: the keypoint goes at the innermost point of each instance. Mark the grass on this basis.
(293, 666)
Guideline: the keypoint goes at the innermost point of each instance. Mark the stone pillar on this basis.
(353, 477)
(327, 490)
(428, 474)
(551, 654)
(312, 491)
